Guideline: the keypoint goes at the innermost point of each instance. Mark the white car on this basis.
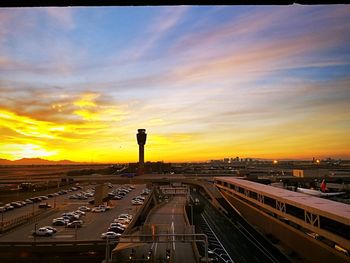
(79, 212)
(122, 221)
(54, 230)
(42, 231)
(110, 235)
(119, 223)
(84, 208)
(97, 210)
(137, 202)
(126, 216)
(115, 225)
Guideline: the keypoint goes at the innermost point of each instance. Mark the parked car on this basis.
(9, 207)
(79, 212)
(98, 210)
(106, 208)
(137, 202)
(28, 201)
(84, 208)
(42, 231)
(16, 204)
(110, 235)
(72, 216)
(44, 205)
(54, 230)
(76, 223)
(116, 229)
(125, 216)
(60, 221)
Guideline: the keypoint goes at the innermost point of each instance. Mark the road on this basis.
(171, 216)
(94, 223)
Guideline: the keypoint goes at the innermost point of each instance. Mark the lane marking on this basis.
(155, 250)
(173, 232)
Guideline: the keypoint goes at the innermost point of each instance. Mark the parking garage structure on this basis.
(315, 228)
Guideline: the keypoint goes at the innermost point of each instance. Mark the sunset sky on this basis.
(205, 82)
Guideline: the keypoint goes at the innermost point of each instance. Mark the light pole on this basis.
(76, 232)
(35, 226)
(191, 214)
(107, 250)
(2, 221)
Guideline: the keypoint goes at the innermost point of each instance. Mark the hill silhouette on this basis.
(37, 161)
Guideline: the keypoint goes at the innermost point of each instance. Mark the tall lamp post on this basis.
(107, 250)
(2, 221)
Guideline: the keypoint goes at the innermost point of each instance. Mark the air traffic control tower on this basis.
(141, 140)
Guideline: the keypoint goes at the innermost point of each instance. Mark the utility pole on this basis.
(107, 250)
(76, 232)
(2, 221)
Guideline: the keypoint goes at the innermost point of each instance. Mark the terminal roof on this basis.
(332, 209)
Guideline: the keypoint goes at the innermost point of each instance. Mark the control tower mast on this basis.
(141, 140)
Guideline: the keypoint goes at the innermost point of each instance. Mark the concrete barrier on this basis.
(194, 245)
(139, 213)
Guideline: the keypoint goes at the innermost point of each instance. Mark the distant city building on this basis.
(310, 172)
(298, 173)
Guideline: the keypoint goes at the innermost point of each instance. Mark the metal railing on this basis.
(166, 238)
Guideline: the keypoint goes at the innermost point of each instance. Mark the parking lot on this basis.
(94, 223)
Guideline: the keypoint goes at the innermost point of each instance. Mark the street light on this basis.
(150, 253)
(35, 226)
(168, 254)
(107, 250)
(2, 220)
(191, 214)
(76, 232)
(132, 255)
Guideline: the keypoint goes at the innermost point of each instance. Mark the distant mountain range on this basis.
(31, 161)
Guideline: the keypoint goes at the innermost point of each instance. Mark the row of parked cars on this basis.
(117, 227)
(83, 195)
(71, 219)
(119, 193)
(68, 219)
(101, 208)
(140, 199)
(35, 199)
(18, 204)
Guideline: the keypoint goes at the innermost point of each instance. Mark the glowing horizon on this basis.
(206, 82)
